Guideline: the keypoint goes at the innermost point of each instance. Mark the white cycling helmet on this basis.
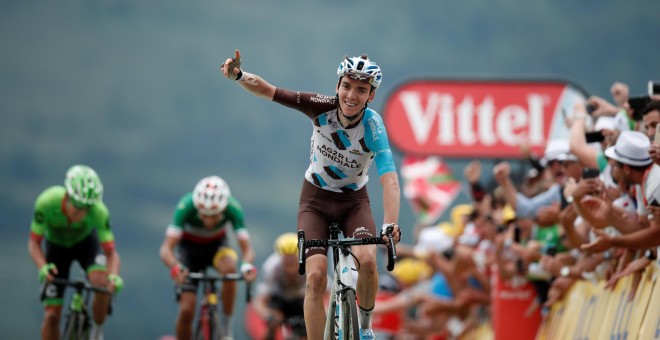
(361, 68)
(211, 195)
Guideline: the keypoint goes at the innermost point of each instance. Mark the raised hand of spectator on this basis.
(548, 215)
(550, 264)
(654, 152)
(525, 150)
(601, 107)
(558, 288)
(620, 93)
(569, 187)
(635, 266)
(598, 211)
(501, 172)
(600, 244)
(472, 171)
(585, 187)
(654, 211)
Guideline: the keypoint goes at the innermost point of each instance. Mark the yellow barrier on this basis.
(589, 311)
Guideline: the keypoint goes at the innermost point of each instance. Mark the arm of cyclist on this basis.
(178, 272)
(113, 265)
(270, 315)
(391, 202)
(231, 69)
(46, 270)
(248, 269)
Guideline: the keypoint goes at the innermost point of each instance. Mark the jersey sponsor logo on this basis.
(323, 99)
(101, 260)
(478, 118)
(39, 217)
(356, 152)
(362, 231)
(51, 291)
(337, 157)
(376, 128)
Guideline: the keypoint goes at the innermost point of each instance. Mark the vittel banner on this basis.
(475, 118)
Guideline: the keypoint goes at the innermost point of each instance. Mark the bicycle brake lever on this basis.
(301, 252)
(391, 251)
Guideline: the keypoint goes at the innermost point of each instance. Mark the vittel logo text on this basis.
(511, 125)
(487, 119)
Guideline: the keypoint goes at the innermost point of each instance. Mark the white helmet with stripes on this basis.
(211, 195)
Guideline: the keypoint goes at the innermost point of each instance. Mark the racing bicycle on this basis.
(78, 321)
(342, 315)
(208, 322)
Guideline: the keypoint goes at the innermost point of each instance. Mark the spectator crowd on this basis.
(586, 209)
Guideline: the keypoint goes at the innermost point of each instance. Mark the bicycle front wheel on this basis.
(76, 327)
(350, 325)
(208, 327)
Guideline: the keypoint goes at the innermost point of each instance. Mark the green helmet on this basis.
(83, 185)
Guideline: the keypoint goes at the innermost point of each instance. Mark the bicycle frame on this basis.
(208, 326)
(342, 315)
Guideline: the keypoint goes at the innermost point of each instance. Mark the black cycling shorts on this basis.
(87, 253)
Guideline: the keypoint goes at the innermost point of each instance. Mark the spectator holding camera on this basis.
(631, 163)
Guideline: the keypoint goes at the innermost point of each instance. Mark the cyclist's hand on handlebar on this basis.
(396, 233)
(249, 271)
(47, 272)
(275, 318)
(231, 68)
(178, 272)
(117, 283)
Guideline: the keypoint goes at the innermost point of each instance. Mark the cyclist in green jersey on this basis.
(198, 231)
(76, 225)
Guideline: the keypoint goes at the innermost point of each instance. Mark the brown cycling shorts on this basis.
(318, 208)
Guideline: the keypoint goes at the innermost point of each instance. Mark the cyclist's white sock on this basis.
(97, 331)
(225, 324)
(365, 317)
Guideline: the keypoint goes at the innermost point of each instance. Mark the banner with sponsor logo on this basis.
(486, 119)
(429, 186)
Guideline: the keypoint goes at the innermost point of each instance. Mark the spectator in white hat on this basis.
(631, 163)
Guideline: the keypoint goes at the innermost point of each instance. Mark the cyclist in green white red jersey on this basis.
(76, 226)
(347, 137)
(198, 231)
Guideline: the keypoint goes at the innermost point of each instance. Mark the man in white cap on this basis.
(631, 163)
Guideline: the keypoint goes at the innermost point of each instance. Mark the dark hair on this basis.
(653, 105)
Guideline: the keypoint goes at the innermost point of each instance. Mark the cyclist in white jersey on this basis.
(347, 137)
(281, 293)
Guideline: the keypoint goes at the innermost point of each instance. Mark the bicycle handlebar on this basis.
(302, 244)
(201, 276)
(79, 285)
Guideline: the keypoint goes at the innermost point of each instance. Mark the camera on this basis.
(637, 105)
(594, 137)
(590, 109)
(590, 173)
